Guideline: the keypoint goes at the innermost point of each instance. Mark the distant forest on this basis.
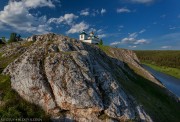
(161, 58)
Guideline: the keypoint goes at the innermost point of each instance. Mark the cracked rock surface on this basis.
(72, 80)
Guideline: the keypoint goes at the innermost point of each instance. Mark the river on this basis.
(170, 82)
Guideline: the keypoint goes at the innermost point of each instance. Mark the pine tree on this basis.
(13, 38)
(101, 42)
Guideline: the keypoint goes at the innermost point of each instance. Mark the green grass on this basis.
(5, 61)
(1, 45)
(175, 72)
(155, 100)
(13, 106)
(104, 48)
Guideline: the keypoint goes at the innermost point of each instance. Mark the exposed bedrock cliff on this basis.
(73, 80)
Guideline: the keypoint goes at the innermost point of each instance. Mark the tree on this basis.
(18, 37)
(101, 42)
(13, 37)
(116, 46)
(4, 39)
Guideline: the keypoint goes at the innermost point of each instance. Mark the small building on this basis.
(89, 38)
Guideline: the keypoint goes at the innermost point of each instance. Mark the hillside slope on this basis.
(72, 80)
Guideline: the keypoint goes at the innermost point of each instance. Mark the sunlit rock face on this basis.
(72, 80)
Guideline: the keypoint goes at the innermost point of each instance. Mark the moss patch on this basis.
(5, 61)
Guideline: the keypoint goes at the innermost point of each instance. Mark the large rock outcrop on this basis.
(72, 80)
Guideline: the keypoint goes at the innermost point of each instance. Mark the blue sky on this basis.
(131, 24)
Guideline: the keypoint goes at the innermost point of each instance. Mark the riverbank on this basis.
(171, 83)
(175, 72)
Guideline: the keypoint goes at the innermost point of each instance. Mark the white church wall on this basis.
(87, 41)
(81, 37)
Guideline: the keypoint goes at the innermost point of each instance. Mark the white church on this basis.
(89, 38)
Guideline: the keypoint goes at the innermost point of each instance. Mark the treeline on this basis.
(160, 58)
(14, 37)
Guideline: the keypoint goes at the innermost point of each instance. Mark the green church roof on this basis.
(83, 33)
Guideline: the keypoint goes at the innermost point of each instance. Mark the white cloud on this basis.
(132, 39)
(128, 40)
(134, 46)
(133, 35)
(123, 10)
(99, 31)
(102, 35)
(141, 41)
(16, 15)
(37, 3)
(141, 1)
(66, 19)
(78, 28)
(172, 28)
(166, 47)
(115, 43)
(93, 12)
(103, 11)
(84, 12)
(142, 31)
